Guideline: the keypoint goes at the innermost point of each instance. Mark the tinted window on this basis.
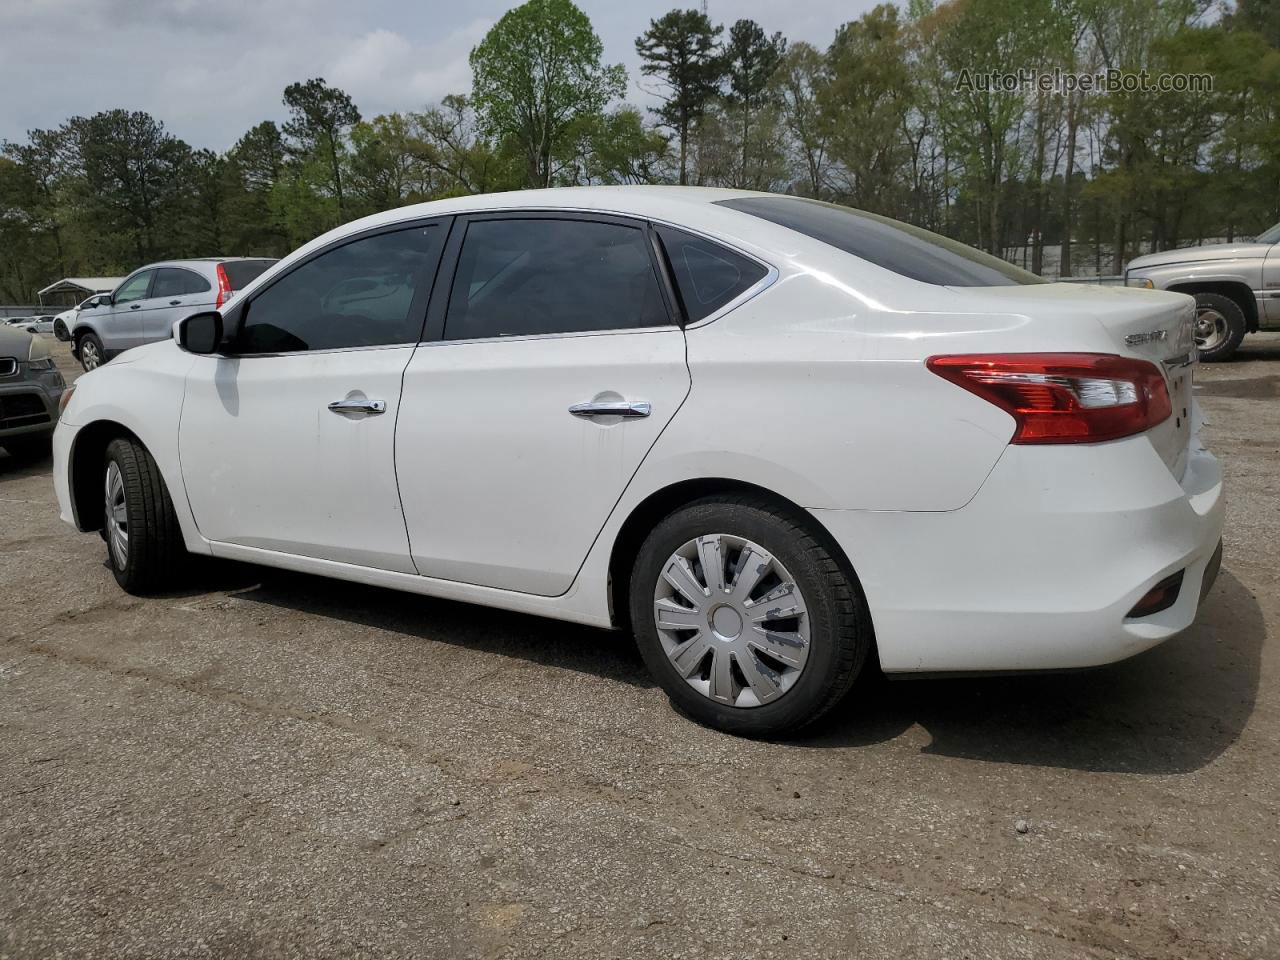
(241, 272)
(900, 247)
(135, 288)
(533, 276)
(707, 275)
(172, 282)
(358, 295)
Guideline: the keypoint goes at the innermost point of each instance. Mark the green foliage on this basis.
(536, 74)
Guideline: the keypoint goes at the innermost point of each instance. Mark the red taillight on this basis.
(224, 288)
(1064, 397)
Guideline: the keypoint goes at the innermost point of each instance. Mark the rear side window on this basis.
(361, 294)
(707, 275)
(173, 282)
(892, 244)
(531, 276)
(242, 272)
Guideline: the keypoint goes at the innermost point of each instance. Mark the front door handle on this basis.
(175, 303)
(352, 405)
(611, 408)
(136, 306)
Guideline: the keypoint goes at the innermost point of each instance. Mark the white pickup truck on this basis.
(1236, 286)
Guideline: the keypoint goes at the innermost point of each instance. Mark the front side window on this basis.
(532, 276)
(361, 294)
(135, 288)
(707, 275)
(173, 282)
(905, 249)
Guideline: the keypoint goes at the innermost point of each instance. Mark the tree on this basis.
(681, 51)
(800, 79)
(536, 73)
(864, 102)
(751, 59)
(132, 178)
(457, 155)
(319, 117)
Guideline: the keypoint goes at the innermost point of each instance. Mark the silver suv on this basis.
(152, 299)
(1236, 286)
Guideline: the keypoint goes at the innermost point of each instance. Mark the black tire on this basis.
(155, 556)
(840, 632)
(1226, 340)
(28, 447)
(97, 353)
(60, 331)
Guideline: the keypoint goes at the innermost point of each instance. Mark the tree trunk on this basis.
(1064, 263)
(684, 150)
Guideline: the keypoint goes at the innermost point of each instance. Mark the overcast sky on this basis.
(210, 69)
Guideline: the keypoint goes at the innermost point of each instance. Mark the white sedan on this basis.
(770, 436)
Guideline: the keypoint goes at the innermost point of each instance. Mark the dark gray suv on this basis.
(152, 299)
(30, 388)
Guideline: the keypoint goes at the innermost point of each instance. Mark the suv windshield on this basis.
(910, 251)
(1269, 236)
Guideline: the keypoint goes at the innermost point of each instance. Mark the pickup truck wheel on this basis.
(91, 353)
(145, 549)
(1220, 326)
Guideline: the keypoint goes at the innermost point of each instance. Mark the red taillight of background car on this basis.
(1064, 397)
(224, 288)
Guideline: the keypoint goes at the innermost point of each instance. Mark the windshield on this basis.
(1270, 236)
(907, 250)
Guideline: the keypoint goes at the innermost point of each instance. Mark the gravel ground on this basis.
(272, 765)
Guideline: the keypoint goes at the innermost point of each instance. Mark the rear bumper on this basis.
(1041, 568)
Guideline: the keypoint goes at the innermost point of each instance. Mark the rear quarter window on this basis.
(707, 275)
(243, 272)
(906, 250)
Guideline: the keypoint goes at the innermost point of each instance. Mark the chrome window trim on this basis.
(310, 353)
(613, 332)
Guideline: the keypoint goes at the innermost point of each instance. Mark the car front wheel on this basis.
(144, 542)
(745, 618)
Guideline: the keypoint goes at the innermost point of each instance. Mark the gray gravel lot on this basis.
(273, 765)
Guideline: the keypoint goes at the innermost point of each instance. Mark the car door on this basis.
(553, 363)
(1271, 286)
(176, 293)
(122, 326)
(287, 440)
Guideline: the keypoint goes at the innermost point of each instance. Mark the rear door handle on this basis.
(611, 408)
(175, 303)
(136, 306)
(351, 405)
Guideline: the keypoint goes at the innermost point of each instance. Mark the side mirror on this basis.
(101, 301)
(200, 332)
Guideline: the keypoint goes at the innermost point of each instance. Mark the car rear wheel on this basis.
(1220, 326)
(91, 353)
(144, 542)
(746, 620)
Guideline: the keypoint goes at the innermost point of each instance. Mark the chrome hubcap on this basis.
(732, 620)
(1211, 329)
(117, 517)
(89, 355)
